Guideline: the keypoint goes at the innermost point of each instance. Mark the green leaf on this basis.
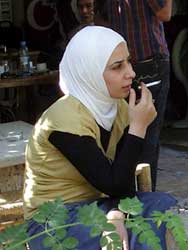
(45, 210)
(70, 243)
(175, 224)
(58, 218)
(55, 210)
(40, 218)
(114, 236)
(14, 236)
(109, 247)
(114, 246)
(49, 241)
(103, 241)
(108, 227)
(61, 233)
(143, 229)
(95, 231)
(131, 206)
(57, 246)
(87, 213)
(118, 245)
(111, 241)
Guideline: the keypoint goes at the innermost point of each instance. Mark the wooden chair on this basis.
(11, 204)
(143, 177)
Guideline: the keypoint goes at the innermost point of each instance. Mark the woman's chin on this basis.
(122, 96)
(125, 94)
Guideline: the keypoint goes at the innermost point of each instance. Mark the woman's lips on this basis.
(127, 87)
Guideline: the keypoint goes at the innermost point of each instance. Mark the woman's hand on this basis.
(141, 114)
(117, 218)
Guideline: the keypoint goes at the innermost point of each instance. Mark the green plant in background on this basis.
(53, 216)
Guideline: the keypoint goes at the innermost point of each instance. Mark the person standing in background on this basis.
(141, 24)
(73, 16)
(85, 10)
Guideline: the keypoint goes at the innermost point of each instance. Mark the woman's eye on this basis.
(117, 66)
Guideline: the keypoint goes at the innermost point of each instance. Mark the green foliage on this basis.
(140, 227)
(174, 223)
(14, 237)
(131, 206)
(91, 215)
(54, 213)
(53, 216)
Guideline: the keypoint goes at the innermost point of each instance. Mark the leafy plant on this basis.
(53, 215)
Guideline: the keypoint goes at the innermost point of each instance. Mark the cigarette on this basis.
(151, 84)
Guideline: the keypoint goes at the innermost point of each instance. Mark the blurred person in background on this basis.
(141, 24)
(86, 11)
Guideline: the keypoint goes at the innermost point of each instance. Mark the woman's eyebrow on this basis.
(121, 61)
(117, 62)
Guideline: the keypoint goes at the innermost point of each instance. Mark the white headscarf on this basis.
(82, 67)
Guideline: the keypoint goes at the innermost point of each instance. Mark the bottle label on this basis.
(24, 60)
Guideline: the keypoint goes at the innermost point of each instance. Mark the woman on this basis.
(88, 142)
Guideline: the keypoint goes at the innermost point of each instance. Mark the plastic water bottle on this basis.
(24, 59)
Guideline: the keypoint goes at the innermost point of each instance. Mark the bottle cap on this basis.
(23, 43)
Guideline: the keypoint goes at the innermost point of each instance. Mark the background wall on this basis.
(18, 12)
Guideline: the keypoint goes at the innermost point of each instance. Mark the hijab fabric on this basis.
(81, 71)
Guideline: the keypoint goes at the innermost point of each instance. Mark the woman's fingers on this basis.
(132, 98)
(141, 114)
(146, 95)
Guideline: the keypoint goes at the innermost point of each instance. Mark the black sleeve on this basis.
(114, 179)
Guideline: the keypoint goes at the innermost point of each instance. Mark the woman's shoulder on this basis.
(71, 108)
(70, 115)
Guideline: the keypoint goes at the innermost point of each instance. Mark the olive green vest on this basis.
(49, 174)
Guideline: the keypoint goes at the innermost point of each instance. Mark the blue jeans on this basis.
(151, 201)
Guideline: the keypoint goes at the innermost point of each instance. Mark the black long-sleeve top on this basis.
(115, 178)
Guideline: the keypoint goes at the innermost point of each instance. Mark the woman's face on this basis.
(118, 73)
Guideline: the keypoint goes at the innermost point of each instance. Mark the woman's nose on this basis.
(133, 74)
(130, 72)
